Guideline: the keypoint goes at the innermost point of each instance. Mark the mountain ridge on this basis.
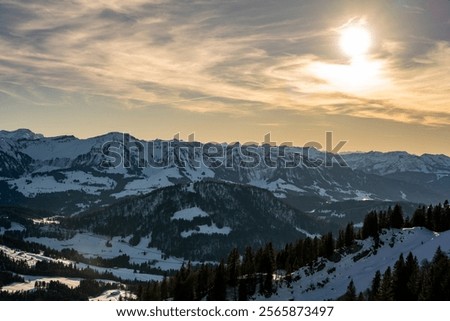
(38, 171)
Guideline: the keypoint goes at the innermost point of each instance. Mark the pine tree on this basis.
(350, 294)
(446, 217)
(139, 293)
(243, 289)
(203, 281)
(399, 280)
(371, 228)
(396, 217)
(349, 235)
(385, 293)
(219, 289)
(164, 288)
(436, 218)
(429, 218)
(375, 289)
(307, 251)
(419, 217)
(440, 280)
(267, 268)
(424, 282)
(383, 221)
(248, 271)
(248, 262)
(412, 271)
(184, 284)
(233, 267)
(268, 284)
(327, 246)
(341, 240)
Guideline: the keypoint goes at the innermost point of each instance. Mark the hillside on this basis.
(327, 280)
(204, 220)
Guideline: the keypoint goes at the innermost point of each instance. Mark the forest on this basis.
(247, 272)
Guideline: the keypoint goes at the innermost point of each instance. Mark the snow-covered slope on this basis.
(30, 282)
(333, 278)
(115, 295)
(31, 258)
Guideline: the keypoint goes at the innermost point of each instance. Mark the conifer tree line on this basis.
(408, 281)
(250, 272)
(435, 218)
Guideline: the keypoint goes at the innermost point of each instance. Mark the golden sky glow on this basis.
(377, 73)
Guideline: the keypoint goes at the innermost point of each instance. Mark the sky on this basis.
(229, 70)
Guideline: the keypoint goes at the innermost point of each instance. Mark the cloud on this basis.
(215, 57)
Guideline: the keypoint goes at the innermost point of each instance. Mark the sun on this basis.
(361, 74)
(355, 41)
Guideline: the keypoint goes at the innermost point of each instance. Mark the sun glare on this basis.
(355, 41)
(361, 74)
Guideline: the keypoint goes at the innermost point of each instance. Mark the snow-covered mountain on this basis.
(398, 162)
(19, 134)
(69, 175)
(431, 171)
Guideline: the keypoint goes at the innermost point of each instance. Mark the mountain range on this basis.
(68, 175)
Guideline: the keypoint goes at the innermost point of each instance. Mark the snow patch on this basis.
(322, 192)
(403, 195)
(155, 179)
(338, 215)
(30, 186)
(205, 229)
(279, 187)
(307, 233)
(362, 196)
(189, 214)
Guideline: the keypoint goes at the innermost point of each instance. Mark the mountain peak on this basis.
(19, 134)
